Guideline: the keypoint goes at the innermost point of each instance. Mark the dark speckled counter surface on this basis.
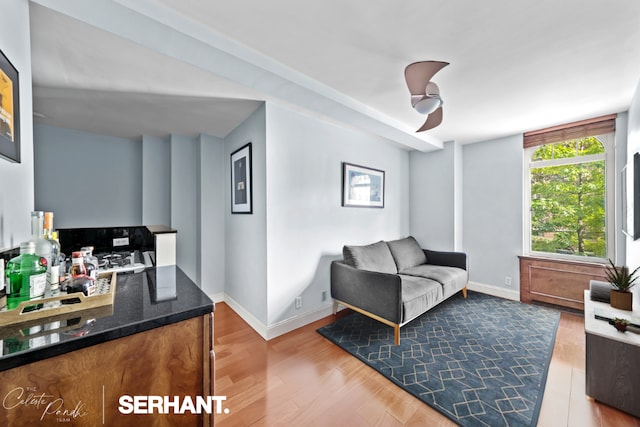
(143, 301)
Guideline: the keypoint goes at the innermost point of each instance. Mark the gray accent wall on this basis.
(436, 188)
(156, 180)
(492, 194)
(87, 180)
(16, 179)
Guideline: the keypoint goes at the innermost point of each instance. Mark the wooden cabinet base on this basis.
(84, 387)
(558, 282)
(612, 373)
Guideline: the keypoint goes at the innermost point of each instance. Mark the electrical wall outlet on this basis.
(298, 302)
(507, 280)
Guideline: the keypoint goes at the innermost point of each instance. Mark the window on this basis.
(569, 193)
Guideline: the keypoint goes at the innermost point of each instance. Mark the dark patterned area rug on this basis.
(482, 361)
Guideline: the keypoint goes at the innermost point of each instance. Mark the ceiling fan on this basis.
(425, 95)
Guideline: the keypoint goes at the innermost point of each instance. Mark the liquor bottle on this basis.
(43, 246)
(53, 267)
(79, 280)
(3, 281)
(77, 264)
(62, 259)
(27, 276)
(90, 262)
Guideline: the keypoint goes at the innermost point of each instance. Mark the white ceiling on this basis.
(515, 66)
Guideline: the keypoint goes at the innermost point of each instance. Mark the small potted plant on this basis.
(622, 281)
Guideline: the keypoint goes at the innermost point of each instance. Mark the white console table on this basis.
(612, 357)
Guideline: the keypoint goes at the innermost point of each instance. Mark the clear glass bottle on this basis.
(62, 259)
(3, 281)
(43, 246)
(53, 268)
(27, 276)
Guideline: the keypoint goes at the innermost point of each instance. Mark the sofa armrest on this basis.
(376, 293)
(448, 259)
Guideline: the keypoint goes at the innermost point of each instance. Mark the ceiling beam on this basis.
(160, 29)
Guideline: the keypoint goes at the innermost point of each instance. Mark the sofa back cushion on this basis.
(407, 253)
(373, 257)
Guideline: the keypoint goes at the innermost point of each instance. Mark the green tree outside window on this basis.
(568, 200)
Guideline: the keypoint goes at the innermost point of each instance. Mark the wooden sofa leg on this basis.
(464, 292)
(335, 308)
(396, 334)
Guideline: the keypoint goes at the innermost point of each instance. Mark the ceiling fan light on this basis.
(428, 104)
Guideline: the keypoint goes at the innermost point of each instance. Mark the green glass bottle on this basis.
(27, 275)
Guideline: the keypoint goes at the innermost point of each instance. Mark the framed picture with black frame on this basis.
(630, 180)
(9, 111)
(362, 187)
(241, 181)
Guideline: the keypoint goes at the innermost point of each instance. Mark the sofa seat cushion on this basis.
(452, 279)
(407, 253)
(373, 257)
(418, 295)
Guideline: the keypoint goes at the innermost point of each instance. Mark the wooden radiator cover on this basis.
(559, 282)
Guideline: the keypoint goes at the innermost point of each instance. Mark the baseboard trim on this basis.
(277, 329)
(296, 322)
(496, 291)
(217, 297)
(251, 320)
(288, 325)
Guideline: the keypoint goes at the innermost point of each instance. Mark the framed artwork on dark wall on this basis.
(9, 111)
(362, 186)
(241, 181)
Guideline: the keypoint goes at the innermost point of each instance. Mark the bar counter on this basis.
(156, 339)
(137, 308)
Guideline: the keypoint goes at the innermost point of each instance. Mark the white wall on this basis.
(458, 171)
(246, 235)
(16, 179)
(156, 180)
(306, 224)
(493, 210)
(435, 188)
(184, 202)
(86, 179)
(620, 158)
(213, 206)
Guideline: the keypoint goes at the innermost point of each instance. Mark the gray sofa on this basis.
(396, 281)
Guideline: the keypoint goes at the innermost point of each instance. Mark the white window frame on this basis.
(608, 141)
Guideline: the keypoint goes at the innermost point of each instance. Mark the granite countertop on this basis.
(143, 301)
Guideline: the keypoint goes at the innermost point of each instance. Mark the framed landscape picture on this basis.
(9, 111)
(362, 186)
(241, 181)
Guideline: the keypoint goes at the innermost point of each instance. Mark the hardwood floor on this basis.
(302, 379)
